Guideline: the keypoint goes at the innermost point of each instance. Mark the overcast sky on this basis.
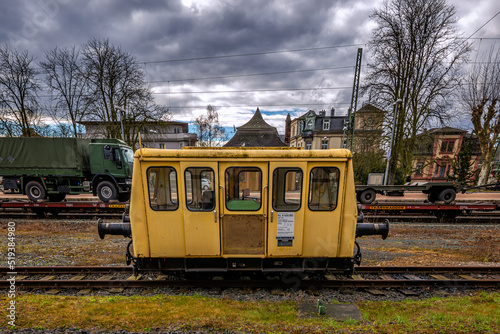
(281, 56)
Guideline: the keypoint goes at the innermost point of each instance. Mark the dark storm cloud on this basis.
(156, 32)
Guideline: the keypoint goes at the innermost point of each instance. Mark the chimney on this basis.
(288, 129)
(332, 112)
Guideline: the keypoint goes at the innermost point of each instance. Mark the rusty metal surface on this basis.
(243, 234)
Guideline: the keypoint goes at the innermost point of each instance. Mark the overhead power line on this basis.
(254, 74)
(252, 54)
(253, 90)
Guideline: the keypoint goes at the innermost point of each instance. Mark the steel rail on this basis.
(335, 283)
(36, 270)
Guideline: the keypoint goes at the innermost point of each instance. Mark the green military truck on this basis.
(51, 168)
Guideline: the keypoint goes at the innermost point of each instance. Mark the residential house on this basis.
(325, 130)
(435, 152)
(157, 134)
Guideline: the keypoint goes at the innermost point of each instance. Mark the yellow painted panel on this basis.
(165, 228)
(297, 216)
(321, 228)
(201, 228)
(350, 215)
(255, 212)
(138, 222)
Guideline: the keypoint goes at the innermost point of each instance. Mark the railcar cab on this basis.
(244, 209)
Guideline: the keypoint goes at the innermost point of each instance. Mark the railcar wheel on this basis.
(447, 196)
(106, 191)
(35, 191)
(367, 196)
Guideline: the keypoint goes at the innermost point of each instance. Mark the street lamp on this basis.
(389, 153)
(153, 132)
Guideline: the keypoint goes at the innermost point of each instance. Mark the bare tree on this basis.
(64, 78)
(19, 110)
(210, 132)
(416, 51)
(481, 95)
(118, 85)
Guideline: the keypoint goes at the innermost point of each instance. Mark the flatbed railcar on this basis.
(54, 208)
(438, 210)
(245, 209)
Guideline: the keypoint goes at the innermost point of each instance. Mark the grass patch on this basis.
(478, 313)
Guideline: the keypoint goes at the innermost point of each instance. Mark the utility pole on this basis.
(351, 116)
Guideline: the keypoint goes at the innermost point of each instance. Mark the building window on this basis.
(419, 169)
(308, 145)
(177, 130)
(326, 124)
(447, 146)
(162, 145)
(324, 144)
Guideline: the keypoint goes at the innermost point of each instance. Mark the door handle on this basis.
(215, 215)
(272, 214)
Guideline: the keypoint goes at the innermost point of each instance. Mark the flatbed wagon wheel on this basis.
(35, 191)
(447, 196)
(367, 196)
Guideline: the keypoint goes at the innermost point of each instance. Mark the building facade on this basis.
(158, 134)
(437, 149)
(325, 130)
(316, 131)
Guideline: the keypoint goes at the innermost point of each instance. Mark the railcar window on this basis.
(162, 188)
(287, 185)
(199, 188)
(243, 188)
(323, 188)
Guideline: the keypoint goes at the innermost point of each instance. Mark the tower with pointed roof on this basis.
(255, 133)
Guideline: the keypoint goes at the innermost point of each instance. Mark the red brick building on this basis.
(435, 152)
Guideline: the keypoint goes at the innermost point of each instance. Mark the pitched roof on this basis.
(255, 133)
(255, 123)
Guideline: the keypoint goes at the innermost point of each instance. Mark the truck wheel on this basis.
(447, 196)
(367, 196)
(431, 197)
(106, 191)
(35, 191)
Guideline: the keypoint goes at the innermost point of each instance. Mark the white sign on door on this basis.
(286, 223)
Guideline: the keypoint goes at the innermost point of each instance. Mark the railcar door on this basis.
(286, 209)
(201, 222)
(244, 205)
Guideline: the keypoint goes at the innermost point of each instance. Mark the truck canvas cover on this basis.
(47, 156)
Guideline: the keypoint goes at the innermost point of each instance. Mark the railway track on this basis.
(117, 279)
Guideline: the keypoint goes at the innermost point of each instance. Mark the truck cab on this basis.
(111, 164)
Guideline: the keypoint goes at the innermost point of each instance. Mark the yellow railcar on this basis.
(243, 209)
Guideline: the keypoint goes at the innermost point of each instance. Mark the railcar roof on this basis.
(262, 153)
